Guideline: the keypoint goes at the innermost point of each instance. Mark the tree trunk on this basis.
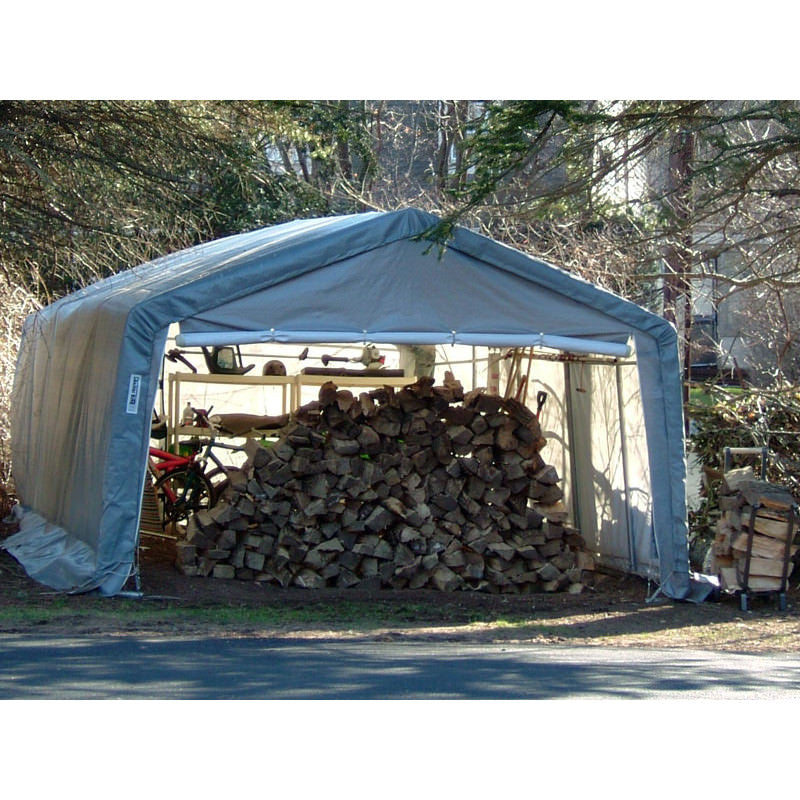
(678, 255)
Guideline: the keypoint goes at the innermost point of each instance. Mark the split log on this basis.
(775, 527)
(762, 546)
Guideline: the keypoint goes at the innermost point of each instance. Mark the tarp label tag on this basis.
(133, 394)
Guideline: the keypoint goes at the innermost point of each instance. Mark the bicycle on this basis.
(183, 484)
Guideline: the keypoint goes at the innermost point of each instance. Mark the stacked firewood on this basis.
(418, 487)
(755, 519)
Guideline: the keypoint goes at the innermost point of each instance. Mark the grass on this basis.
(612, 620)
(701, 396)
(717, 627)
(342, 614)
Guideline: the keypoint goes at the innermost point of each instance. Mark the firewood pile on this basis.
(421, 487)
(740, 493)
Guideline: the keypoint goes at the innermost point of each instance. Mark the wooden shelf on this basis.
(177, 379)
(292, 386)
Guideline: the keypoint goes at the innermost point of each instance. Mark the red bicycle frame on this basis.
(168, 461)
(162, 462)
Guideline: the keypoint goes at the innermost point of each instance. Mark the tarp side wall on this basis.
(139, 366)
(662, 406)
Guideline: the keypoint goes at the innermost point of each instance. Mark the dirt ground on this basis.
(612, 610)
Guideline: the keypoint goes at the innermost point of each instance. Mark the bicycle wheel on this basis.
(219, 479)
(181, 493)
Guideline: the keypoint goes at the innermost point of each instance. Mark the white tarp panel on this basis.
(636, 465)
(597, 441)
(88, 366)
(611, 477)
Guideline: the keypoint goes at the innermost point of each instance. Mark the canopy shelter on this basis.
(89, 365)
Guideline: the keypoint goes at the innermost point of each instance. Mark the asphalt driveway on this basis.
(136, 667)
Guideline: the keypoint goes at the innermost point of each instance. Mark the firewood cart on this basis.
(766, 508)
(789, 513)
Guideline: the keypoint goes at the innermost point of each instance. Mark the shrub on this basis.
(16, 303)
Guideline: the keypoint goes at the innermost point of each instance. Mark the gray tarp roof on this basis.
(89, 363)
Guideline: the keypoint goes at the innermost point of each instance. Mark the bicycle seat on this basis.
(158, 429)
